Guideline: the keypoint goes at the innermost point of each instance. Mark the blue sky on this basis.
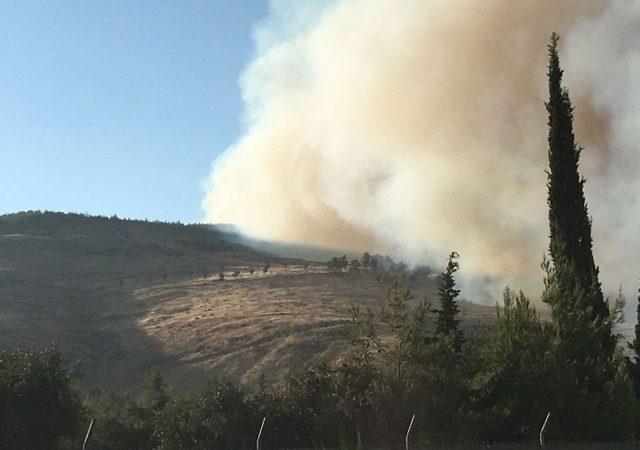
(119, 107)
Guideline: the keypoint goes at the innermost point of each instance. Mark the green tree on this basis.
(337, 265)
(310, 399)
(447, 322)
(366, 259)
(408, 327)
(224, 412)
(570, 243)
(217, 418)
(38, 404)
(634, 346)
(155, 392)
(124, 421)
(518, 348)
(586, 370)
(414, 371)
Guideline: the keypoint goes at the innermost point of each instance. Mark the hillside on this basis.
(124, 297)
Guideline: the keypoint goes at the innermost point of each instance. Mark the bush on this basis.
(337, 265)
(38, 405)
(518, 348)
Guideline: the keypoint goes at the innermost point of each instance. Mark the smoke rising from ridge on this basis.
(415, 127)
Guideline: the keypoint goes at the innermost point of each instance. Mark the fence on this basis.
(260, 440)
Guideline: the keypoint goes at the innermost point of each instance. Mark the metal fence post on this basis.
(86, 438)
(260, 433)
(544, 425)
(406, 438)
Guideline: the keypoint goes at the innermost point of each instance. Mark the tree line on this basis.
(405, 358)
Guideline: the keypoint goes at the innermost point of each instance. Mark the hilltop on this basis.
(124, 297)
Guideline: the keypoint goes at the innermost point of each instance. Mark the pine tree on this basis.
(447, 322)
(634, 359)
(570, 243)
(635, 345)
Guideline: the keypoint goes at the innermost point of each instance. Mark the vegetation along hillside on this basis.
(124, 297)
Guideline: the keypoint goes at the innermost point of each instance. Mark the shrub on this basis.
(336, 264)
(38, 404)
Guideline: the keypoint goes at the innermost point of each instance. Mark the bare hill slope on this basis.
(124, 297)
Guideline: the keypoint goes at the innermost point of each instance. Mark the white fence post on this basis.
(260, 433)
(544, 425)
(86, 438)
(406, 438)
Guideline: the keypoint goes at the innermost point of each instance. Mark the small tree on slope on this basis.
(447, 322)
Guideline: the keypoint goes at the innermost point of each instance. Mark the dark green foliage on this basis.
(634, 346)
(586, 368)
(512, 383)
(407, 325)
(116, 230)
(447, 322)
(121, 422)
(337, 264)
(366, 259)
(416, 371)
(38, 405)
(310, 399)
(570, 243)
(217, 418)
(633, 361)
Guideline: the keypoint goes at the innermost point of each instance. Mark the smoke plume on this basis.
(415, 127)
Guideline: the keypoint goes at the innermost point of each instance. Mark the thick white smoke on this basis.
(603, 62)
(416, 127)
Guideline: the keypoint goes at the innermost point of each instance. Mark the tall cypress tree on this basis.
(570, 242)
(634, 346)
(446, 321)
(636, 342)
(584, 345)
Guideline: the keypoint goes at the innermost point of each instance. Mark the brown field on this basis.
(124, 297)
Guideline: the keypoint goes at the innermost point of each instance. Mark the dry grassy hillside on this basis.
(125, 297)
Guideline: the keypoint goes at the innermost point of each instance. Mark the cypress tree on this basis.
(583, 347)
(446, 321)
(570, 242)
(634, 359)
(635, 345)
